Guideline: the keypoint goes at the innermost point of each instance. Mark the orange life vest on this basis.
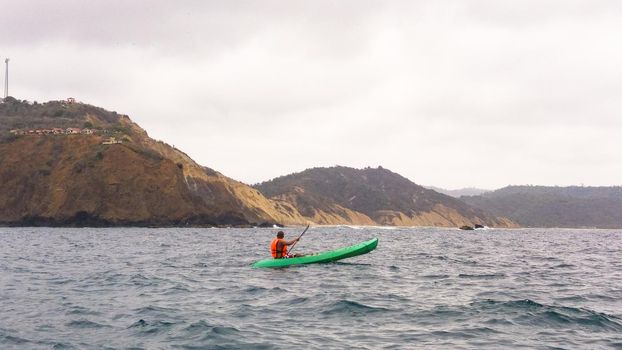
(273, 248)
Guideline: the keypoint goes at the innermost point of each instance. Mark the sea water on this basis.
(193, 288)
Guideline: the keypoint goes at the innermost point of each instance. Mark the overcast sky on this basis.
(447, 93)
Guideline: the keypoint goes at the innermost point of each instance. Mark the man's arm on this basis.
(292, 241)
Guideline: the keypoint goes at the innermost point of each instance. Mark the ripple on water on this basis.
(79, 310)
(150, 328)
(350, 307)
(434, 277)
(532, 313)
(206, 332)
(202, 327)
(256, 290)
(10, 340)
(482, 276)
(177, 289)
(63, 346)
(296, 301)
(84, 323)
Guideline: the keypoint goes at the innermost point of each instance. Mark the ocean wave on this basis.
(64, 346)
(177, 289)
(202, 334)
(295, 301)
(206, 330)
(13, 340)
(8, 341)
(255, 289)
(562, 266)
(155, 311)
(529, 312)
(352, 308)
(142, 280)
(466, 333)
(434, 277)
(79, 310)
(349, 263)
(151, 327)
(482, 276)
(84, 323)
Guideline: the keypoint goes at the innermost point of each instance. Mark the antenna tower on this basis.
(6, 78)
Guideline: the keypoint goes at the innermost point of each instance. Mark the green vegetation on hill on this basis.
(16, 114)
(382, 195)
(543, 206)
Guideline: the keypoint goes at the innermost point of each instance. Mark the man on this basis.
(278, 247)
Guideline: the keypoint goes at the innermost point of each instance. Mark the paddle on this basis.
(292, 247)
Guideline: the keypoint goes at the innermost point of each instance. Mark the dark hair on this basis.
(280, 234)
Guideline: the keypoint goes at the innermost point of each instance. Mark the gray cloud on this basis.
(477, 93)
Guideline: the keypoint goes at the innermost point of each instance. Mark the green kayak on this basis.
(333, 255)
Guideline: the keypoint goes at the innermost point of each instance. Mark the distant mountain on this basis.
(542, 206)
(371, 196)
(113, 174)
(468, 191)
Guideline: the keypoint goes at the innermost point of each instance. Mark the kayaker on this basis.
(278, 247)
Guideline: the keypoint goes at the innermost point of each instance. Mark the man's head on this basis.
(280, 234)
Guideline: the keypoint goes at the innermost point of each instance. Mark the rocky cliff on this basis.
(114, 175)
(372, 196)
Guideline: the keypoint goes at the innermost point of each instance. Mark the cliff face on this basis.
(63, 179)
(372, 196)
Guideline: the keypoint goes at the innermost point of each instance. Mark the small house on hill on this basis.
(111, 141)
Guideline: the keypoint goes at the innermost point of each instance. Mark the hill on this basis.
(371, 196)
(65, 163)
(468, 191)
(542, 206)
